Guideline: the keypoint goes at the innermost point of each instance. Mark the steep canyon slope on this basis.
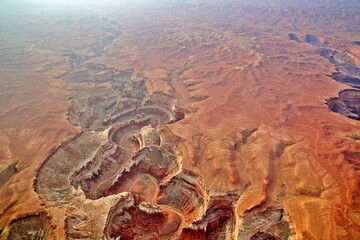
(180, 120)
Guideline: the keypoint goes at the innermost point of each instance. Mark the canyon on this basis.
(180, 120)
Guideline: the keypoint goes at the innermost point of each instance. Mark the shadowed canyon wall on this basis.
(180, 120)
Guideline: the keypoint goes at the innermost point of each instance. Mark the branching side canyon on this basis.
(180, 119)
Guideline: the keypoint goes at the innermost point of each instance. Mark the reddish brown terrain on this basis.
(180, 120)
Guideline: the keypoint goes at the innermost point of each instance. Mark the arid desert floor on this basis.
(180, 120)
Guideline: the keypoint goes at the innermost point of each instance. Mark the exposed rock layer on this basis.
(348, 72)
(204, 117)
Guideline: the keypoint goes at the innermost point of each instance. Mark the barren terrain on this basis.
(180, 120)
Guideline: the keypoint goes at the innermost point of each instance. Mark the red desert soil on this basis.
(202, 116)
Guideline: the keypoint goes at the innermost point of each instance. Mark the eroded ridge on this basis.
(120, 162)
(136, 153)
(131, 218)
(127, 160)
(36, 226)
(123, 147)
(185, 193)
(218, 221)
(125, 101)
(138, 171)
(347, 103)
(52, 181)
(347, 72)
(265, 224)
(124, 168)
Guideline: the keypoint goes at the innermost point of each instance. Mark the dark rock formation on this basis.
(131, 218)
(184, 193)
(347, 103)
(30, 227)
(328, 54)
(351, 81)
(218, 222)
(312, 39)
(268, 224)
(264, 236)
(294, 37)
(348, 72)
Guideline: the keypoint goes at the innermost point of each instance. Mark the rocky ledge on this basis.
(348, 101)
